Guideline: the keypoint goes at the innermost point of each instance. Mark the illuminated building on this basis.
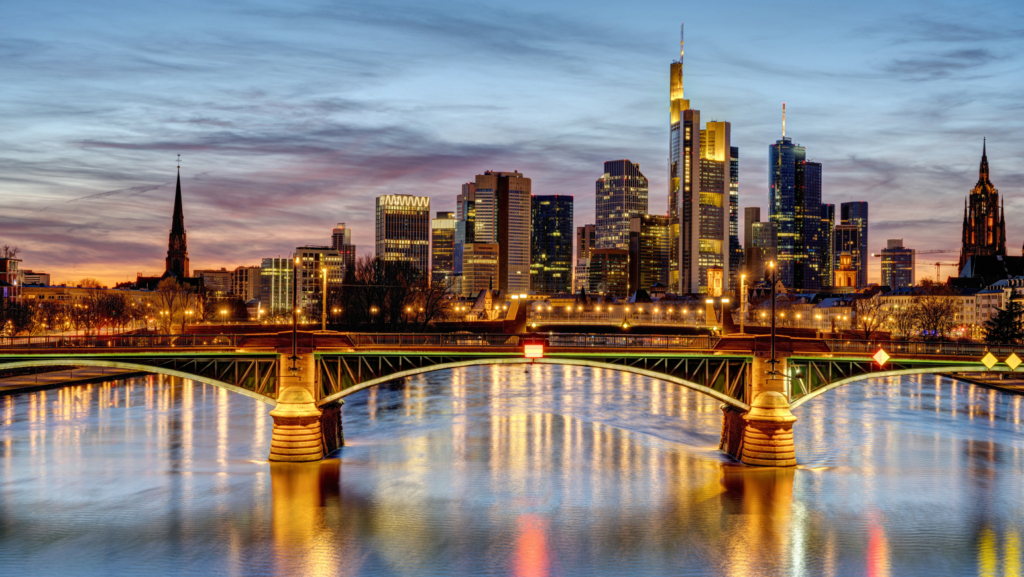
(177, 246)
(30, 277)
(479, 267)
(795, 207)
(984, 232)
(551, 244)
(503, 211)
(763, 249)
(735, 249)
(846, 274)
(609, 272)
(650, 245)
(403, 229)
(897, 264)
(703, 173)
(465, 225)
(751, 216)
(827, 241)
(856, 213)
(846, 238)
(442, 246)
(586, 240)
(581, 276)
(312, 260)
(621, 195)
(276, 285)
(341, 241)
(10, 279)
(245, 282)
(216, 281)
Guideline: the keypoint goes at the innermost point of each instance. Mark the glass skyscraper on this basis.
(795, 208)
(403, 229)
(621, 195)
(551, 238)
(442, 246)
(856, 213)
(897, 264)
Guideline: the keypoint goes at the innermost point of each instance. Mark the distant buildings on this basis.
(650, 247)
(984, 229)
(442, 246)
(609, 272)
(30, 277)
(621, 194)
(403, 230)
(551, 244)
(827, 235)
(763, 250)
(503, 211)
(795, 207)
(276, 285)
(846, 239)
(10, 281)
(586, 240)
(751, 215)
(216, 281)
(479, 267)
(341, 241)
(245, 282)
(316, 262)
(897, 265)
(856, 213)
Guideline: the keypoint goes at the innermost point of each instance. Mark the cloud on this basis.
(935, 66)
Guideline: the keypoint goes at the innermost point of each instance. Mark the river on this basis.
(497, 470)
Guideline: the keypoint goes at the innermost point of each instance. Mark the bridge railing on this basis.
(939, 348)
(402, 340)
(556, 340)
(570, 340)
(120, 341)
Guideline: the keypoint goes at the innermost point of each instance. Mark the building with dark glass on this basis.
(846, 239)
(898, 264)
(609, 272)
(763, 249)
(856, 213)
(735, 249)
(621, 194)
(341, 241)
(465, 226)
(551, 262)
(586, 240)
(442, 246)
(795, 206)
(650, 245)
(826, 241)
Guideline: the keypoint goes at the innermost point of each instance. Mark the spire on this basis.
(783, 120)
(983, 171)
(178, 220)
(681, 61)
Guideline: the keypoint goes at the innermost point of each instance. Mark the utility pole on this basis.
(323, 306)
(774, 361)
(743, 303)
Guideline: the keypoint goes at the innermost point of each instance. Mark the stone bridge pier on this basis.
(302, 431)
(763, 436)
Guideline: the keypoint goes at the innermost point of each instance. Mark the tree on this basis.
(936, 310)
(16, 318)
(89, 282)
(171, 300)
(902, 320)
(868, 315)
(9, 251)
(1008, 324)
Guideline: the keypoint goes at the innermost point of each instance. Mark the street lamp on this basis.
(223, 317)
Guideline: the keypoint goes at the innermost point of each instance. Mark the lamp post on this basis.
(323, 306)
(295, 314)
(743, 303)
(773, 361)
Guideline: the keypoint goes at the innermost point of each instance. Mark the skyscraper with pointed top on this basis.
(984, 220)
(177, 247)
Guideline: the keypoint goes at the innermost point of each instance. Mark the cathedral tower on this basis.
(984, 221)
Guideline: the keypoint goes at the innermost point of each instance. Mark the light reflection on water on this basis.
(500, 471)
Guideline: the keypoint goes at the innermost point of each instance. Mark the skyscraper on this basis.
(465, 224)
(177, 247)
(503, 210)
(827, 232)
(650, 245)
(984, 231)
(856, 213)
(621, 195)
(479, 267)
(341, 241)
(700, 188)
(586, 240)
(795, 206)
(897, 264)
(735, 249)
(403, 229)
(442, 246)
(551, 260)
(609, 272)
(764, 248)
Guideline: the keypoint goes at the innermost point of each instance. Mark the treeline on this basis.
(380, 295)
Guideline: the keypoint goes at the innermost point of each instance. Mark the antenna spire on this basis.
(179, 162)
(783, 120)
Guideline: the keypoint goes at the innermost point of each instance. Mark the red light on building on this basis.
(534, 351)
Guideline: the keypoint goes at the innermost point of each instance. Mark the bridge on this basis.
(307, 385)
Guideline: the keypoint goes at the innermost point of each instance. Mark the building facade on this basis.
(856, 214)
(314, 262)
(216, 281)
(341, 241)
(795, 205)
(276, 286)
(897, 264)
(503, 212)
(10, 279)
(984, 231)
(551, 247)
(650, 247)
(245, 282)
(442, 247)
(827, 241)
(621, 194)
(609, 272)
(763, 250)
(586, 240)
(176, 263)
(846, 238)
(403, 230)
(479, 267)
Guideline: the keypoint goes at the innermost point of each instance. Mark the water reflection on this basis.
(499, 471)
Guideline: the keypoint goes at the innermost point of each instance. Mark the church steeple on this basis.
(985, 219)
(983, 170)
(177, 246)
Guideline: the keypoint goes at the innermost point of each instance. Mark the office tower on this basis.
(751, 216)
(763, 250)
(700, 183)
(795, 206)
(503, 216)
(826, 242)
(846, 238)
(276, 286)
(313, 262)
(479, 267)
(650, 245)
(984, 231)
(245, 282)
(551, 247)
(621, 195)
(465, 224)
(341, 241)
(735, 249)
(177, 245)
(403, 229)
(898, 264)
(609, 272)
(442, 246)
(856, 213)
(586, 240)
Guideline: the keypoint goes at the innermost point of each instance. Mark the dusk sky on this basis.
(291, 117)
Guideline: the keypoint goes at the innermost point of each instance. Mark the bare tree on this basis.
(171, 299)
(936, 310)
(9, 251)
(868, 316)
(902, 320)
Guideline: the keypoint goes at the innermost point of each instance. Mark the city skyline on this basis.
(88, 184)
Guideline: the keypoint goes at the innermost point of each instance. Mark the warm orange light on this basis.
(533, 351)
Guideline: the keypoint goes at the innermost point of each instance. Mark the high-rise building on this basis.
(609, 272)
(403, 229)
(586, 240)
(735, 249)
(276, 286)
(479, 267)
(751, 264)
(763, 250)
(827, 233)
(984, 231)
(650, 245)
(245, 282)
(856, 213)
(177, 247)
(503, 210)
(551, 262)
(341, 241)
(621, 195)
(795, 206)
(846, 238)
(465, 225)
(314, 262)
(897, 264)
(700, 187)
(442, 246)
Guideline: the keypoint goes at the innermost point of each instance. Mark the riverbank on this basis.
(993, 381)
(53, 379)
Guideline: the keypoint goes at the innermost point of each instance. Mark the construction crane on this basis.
(938, 265)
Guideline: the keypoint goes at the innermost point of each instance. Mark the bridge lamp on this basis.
(533, 350)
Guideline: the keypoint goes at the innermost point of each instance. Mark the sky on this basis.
(291, 117)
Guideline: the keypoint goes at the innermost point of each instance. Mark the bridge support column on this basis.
(297, 434)
(768, 434)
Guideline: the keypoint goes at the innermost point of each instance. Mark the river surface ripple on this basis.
(552, 470)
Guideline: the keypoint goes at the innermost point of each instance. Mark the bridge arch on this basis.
(543, 361)
(967, 368)
(77, 362)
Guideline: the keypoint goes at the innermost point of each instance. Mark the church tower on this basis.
(984, 220)
(177, 248)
